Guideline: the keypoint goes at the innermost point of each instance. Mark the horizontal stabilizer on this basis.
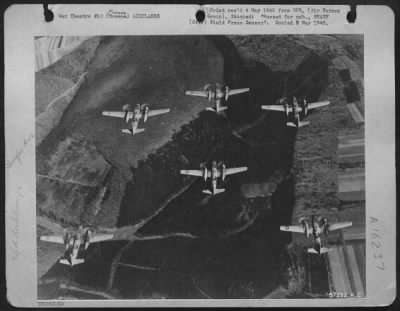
(304, 123)
(291, 124)
(72, 263)
(129, 131)
(65, 262)
(126, 131)
(77, 261)
(211, 109)
(206, 191)
(314, 251)
(221, 109)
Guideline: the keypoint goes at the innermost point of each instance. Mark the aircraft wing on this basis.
(117, 114)
(53, 238)
(275, 107)
(157, 112)
(238, 91)
(197, 173)
(340, 225)
(98, 237)
(235, 170)
(196, 93)
(318, 104)
(296, 229)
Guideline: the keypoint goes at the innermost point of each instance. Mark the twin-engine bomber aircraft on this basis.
(140, 111)
(215, 172)
(318, 226)
(220, 93)
(72, 242)
(293, 110)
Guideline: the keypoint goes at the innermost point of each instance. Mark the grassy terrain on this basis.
(277, 52)
(316, 166)
(57, 84)
(74, 64)
(48, 87)
(84, 145)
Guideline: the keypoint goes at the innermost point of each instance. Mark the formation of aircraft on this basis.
(318, 226)
(220, 93)
(214, 173)
(217, 94)
(73, 241)
(293, 110)
(139, 112)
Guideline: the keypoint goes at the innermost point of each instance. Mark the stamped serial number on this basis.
(344, 295)
(50, 303)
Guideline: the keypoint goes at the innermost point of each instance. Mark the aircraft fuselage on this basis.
(73, 243)
(214, 176)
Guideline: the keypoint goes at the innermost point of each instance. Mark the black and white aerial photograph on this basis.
(200, 167)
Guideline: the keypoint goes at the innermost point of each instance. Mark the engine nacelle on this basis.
(226, 93)
(326, 225)
(307, 230)
(126, 107)
(286, 109)
(306, 227)
(146, 110)
(223, 171)
(65, 235)
(209, 95)
(205, 173)
(88, 235)
(305, 106)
